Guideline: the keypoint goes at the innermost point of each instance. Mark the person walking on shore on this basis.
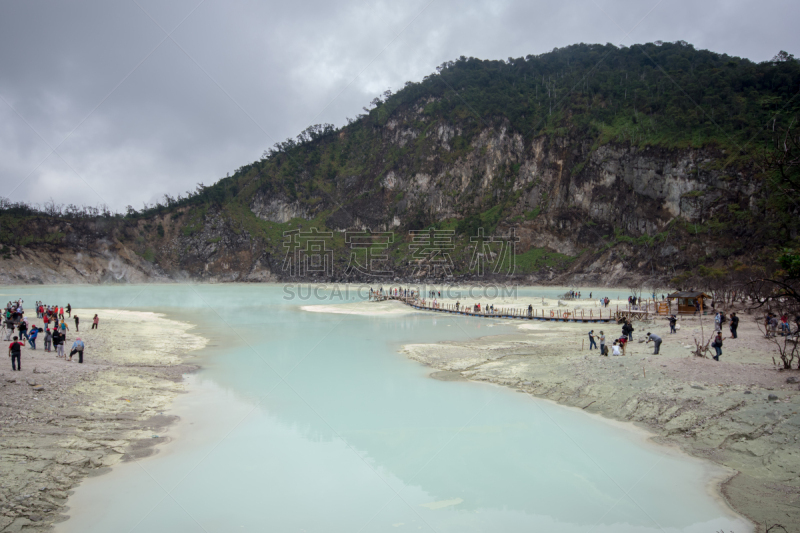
(656, 339)
(718, 322)
(23, 329)
(58, 343)
(602, 339)
(48, 340)
(771, 325)
(717, 345)
(627, 330)
(77, 321)
(32, 336)
(592, 344)
(77, 347)
(15, 353)
(69, 310)
(673, 320)
(734, 325)
(9, 328)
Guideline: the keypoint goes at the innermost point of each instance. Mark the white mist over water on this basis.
(304, 421)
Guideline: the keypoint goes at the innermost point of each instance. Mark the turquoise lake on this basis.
(314, 422)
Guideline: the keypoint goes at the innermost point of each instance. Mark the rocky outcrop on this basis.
(618, 209)
(277, 209)
(51, 266)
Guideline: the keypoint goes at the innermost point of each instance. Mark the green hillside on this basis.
(663, 99)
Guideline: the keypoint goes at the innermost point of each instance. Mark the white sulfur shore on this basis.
(62, 421)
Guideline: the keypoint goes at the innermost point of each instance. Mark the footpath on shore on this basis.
(741, 412)
(62, 421)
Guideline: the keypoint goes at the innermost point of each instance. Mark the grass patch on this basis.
(149, 255)
(537, 259)
(533, 213)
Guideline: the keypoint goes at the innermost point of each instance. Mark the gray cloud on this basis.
(135, 116)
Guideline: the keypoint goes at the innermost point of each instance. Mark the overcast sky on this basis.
(119, 102)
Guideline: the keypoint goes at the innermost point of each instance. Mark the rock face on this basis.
(275, 209)
(87, 265)
(619, 210)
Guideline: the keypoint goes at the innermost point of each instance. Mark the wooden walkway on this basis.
(554, 315)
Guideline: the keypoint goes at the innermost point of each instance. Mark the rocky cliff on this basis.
(437, 183)
(602, 213)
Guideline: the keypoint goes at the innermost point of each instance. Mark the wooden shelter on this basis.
(688, 299)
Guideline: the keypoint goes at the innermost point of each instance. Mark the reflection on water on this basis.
(306, 421)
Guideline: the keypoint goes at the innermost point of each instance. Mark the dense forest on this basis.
(666, 97)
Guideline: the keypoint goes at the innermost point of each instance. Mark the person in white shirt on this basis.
(615, 349)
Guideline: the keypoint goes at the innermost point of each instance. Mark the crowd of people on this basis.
(53, 331)
(635, 301)
(433, 296)
(773, 324)
(577, 295)
(618, 347)
(395, 292)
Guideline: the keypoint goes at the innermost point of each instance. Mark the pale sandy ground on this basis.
(719, 411)
(62, 421)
